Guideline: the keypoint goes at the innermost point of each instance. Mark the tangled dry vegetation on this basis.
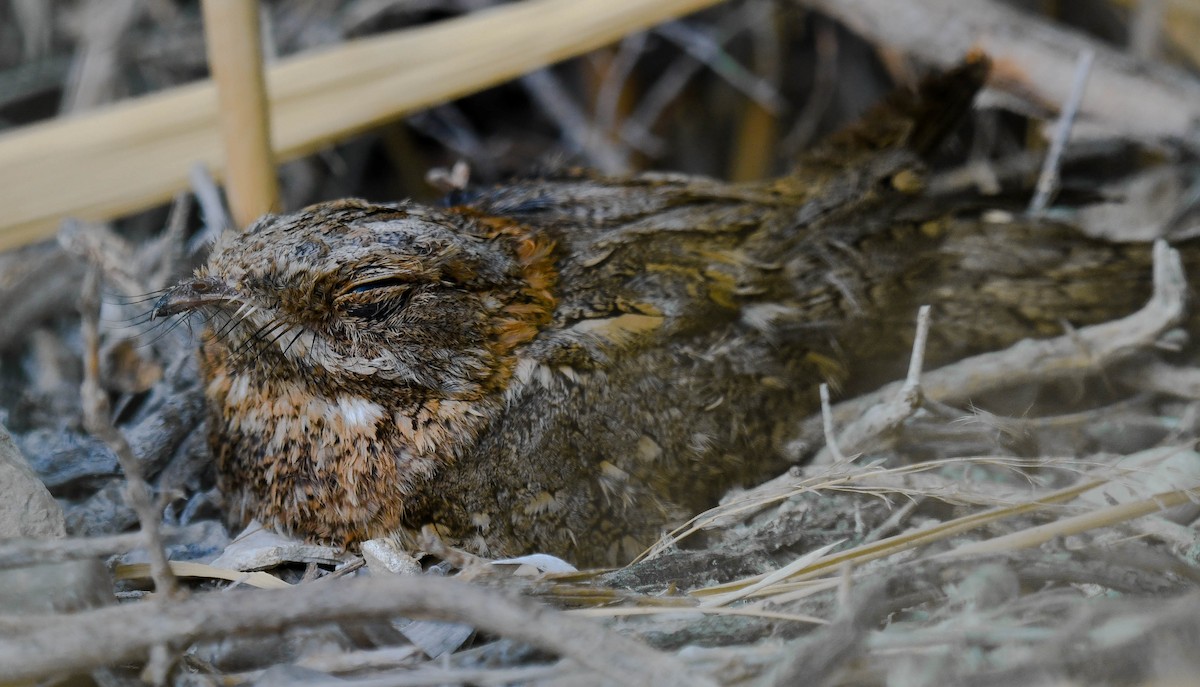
(1023, 517)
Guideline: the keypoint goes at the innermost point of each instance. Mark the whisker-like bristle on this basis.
(258, 335)
(131, 321)
(255, 343)
(224, 330)
(293, 341)
(145, 340)
(122, 299)
(167, 326)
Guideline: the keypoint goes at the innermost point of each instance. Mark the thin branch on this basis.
(155, 139)
(820, 96)
(616, 77)
(97, 420)
(886, 416)
(1047, 184)
(16, 553)
(831, 444)
(212, 208)
(93, 78)
(1130, 98)
(1077, 524)
(555, 100)
(708, 50)
(1146, 27)
(87, 640)
(636, 129)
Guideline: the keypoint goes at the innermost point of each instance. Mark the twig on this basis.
(616, 76)
(1100, 641)
(1145, 31)
(105, 250)
(111, 635)
(95, 70)
(447, 125)
(1130, 98)
(916, 362)
(820, 96)
(636, 129)
(235, 59)
(1159, 377)
(212, 209)
(887, 415)
(898, 516)
(38, 281)
(1102, 517)
(16, 553)
(755, 146)
(817, 659)
(154, 140)
(35, 21)
(426, 675)
(831, 444)
(771, 578)
(168, 255)
(905, 541)
(96, 418)
(553, 98)
(1047, 184)
(708, 50)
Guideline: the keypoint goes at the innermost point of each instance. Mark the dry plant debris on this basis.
(1021, 517)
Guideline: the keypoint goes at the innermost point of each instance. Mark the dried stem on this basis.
(1047, 184)
(208, 196)
(831, 444)
(97, 420)
(825, 82)
(1076, 524)
(96, 66)
(235, 59)
(636, 129)
(1135, 99)
(615, 82)
(709, 51)
(555, 100)
(102, 637)
(754, 145)
(887, 415)
(16, 553)
(1145, 31)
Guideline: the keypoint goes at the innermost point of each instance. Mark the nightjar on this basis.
(573, 364)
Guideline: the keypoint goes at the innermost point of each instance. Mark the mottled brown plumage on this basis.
(574, 364)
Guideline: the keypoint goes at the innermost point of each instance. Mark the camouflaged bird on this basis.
(572, 365)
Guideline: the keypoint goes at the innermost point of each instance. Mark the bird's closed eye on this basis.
(386, 282)
(388, 295)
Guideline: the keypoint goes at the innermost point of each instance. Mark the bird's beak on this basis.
(191, 294)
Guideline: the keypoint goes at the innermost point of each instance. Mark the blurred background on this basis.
(735, 91)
